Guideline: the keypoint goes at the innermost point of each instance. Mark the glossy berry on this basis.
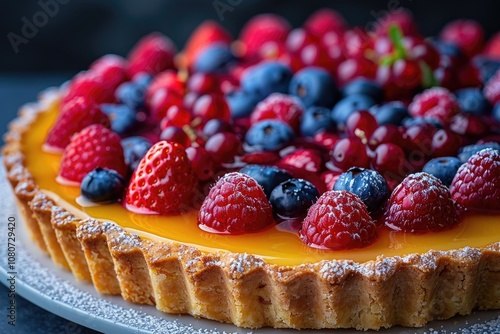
(201, 162)
(468, 151)
(123, 118)
(349, 152)
(316, 119)
(388, 133)
(435, 102)
(263, 29)
(292, 198)
(134, 149)
(303, 159)
(279, 106)
(472, 101)
(467, 35)
(266, 78)
(353, 68)
(210, 106)
(361, 124)
(445, 143)
(325, 20)
(444, 168)
(176, 116)
(131, 95)
(476, 185)
(326, 140)
(241, 103)
(348, 105)
(91, 87)
(469, 125)
(392, 112)
(95, 146)
(215, 58)
(260, 158)
(113, 70)
(223, 146)
(269, 135)
(390, 161)
(74, 116)
(486, 66)
(236, 204)
(163, 182)
(367, 184)
(175, 134)
(161, 101)
(338, 220)
(152, 54)
(268, 177)
(203, 83)
(103, 186)
(365, 87)
(314, 86)
(167, 80)
(216, 125)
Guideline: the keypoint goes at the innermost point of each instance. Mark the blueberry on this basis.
(348, 105)
(142, 80)
(446, 49)
(241, 103)
(486, 66)
(314, 86)
(444, 168)
(266, 78)
(410, 121)
(269, 135)
(134, 149)
(267, 176)
(215, 58)
(123, 118)
(103, 185)
(364, 86)
(472, 101)
(468, 151)
(316, 119)
(367, 184)
(496, 112)
(292, 198)
(390, 113)
(131, 94)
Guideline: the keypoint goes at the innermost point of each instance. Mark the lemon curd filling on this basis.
(273, 244)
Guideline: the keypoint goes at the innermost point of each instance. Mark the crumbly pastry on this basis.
(241, 288)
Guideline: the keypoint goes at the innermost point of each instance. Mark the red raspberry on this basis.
(279, 106)
(419, 204)
(477, 182)
(207, 33)
(113, 69)
(324, 21)
(492, 48)
(153, 54)
(91, 86)
(74, 116)
(235, 205)
(468, 35)
(338, 220)
(437, 102)
(163, 182)
(492, 89)
(95, 146)
(262, 29)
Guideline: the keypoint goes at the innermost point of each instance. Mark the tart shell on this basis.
(242, 289)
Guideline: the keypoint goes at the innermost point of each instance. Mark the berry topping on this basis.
(477, 182)
(235, 204)
(292, 198)
(74, 116)
(152, 54)
(467, 35)
(261, 30)
(175, 134)
(216, 58)
(95, 146)
(367, 184)
(444, 168)
(314, 86)
(365, 87)
(278, 106)
(419, 204)
(103, 186)
(269, 135)
(123, 118)
(348, 105)
(134, 149)
(390, 113)
(163, 182)
(201, 162)
(316, 119)
(210, 106)
(131, 94)
(466, 152)
(349, 152)
(435, 102)
(266, 78)
(268, 177)
(472, 101)
(338, 220)
(223, 146)
(241, 103)
(91, 87)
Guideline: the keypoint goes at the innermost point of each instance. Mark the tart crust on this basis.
(243, 289)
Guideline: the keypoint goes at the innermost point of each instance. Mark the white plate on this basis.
(40, 281)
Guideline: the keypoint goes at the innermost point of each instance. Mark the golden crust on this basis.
(243, 289)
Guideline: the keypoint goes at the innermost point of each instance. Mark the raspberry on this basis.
(324, 21)
(477, 182)
(113, 69)
(91, 86)
(419, 204)
(153, 54)
(74, 116)
(262, 29)
(338, 220)
(468, 35)
(437, 102)
(163, 182)
(95, 146)
(235, 205)
(283, 107)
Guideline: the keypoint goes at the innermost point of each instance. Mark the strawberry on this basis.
(153, 54)
(419, 204)
(74, 116)
(205, 34)
(90, 85)
(236, 204)
(163, 182)
(262, 29)
(338, 220)
(94, 146)
(113, 69)
(437, 102)
(477, 182)
(286, 108)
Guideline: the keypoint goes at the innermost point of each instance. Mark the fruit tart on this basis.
(322, 176)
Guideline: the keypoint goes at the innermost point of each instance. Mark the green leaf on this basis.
(428, 78)
(396, 36)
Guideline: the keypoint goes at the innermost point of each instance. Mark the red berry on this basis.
(325, 20)
(437, 102)
(468, 35)
(421, 203)
(283, 107)
(352, 68)
(113, 69)
(469, 125)
(303, 159)
(355, 42)
(74, 116)
(205, 34)
(175, 134)
(406, 73)
(418, 137)
(390, 161)
(338, 220)
(223, 146)
(216, 125)
(175, 116)
(326, 139)
(260, 158)
(329, 177)
(349, 152)
(387, 133)
(90, 86)
(94, 146)
(261, 29)
(445, 143)
(211, 106)
(492, 48)
(201, 162)
(165, 80)
(399, 17)
(360, 124)
(492, 89)
(161, 101)
(153, 54)
(204, 83)
(163, 182)
(477, 182)
(236, 204)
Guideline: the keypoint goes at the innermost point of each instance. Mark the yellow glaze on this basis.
(279, 247)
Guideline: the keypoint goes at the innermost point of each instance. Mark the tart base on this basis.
(243, 289)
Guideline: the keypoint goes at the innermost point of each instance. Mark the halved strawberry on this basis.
(163, 182)
(95, 146)
(153, 54)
